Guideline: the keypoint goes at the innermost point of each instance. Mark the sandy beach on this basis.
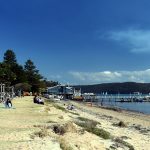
(29, 126)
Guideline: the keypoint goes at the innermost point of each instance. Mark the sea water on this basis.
(143, 107)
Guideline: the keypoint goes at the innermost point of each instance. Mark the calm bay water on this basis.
(143, 107)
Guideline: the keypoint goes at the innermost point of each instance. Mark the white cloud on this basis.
(137, 40)
(108, 76)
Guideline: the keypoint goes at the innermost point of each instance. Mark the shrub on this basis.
(88, 122)
(60, 107)
(61, 117)
(126, 144)
(91, 127)
(120, 124)
(42, 133)
(59, 129)
(101, 133)
(64, 145)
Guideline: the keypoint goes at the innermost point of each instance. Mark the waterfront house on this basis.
(63, 90)
(67, 92)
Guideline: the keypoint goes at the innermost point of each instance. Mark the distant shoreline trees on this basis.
(116, 88)
(26, 78)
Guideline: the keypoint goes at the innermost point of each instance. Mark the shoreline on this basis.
(112, 107)
(122, 109)
(119, 113)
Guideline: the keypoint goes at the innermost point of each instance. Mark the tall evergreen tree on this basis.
(10, 57)
(6, 74)
(25, 78)
(33, 76)
(20, 74)
(15, 72)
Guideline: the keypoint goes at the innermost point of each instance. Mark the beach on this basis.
(29, 126)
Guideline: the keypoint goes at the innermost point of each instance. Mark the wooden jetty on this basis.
(125, 98)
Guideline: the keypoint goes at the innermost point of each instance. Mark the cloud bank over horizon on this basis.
(142, 76)
(136, 40)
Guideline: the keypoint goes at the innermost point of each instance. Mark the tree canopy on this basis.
(25, 77)
(33, 76)
(10, 57)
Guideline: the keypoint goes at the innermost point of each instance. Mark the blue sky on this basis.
(79, 41)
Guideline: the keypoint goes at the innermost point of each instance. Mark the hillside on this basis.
(114, 88)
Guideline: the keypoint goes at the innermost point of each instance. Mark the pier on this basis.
(124, 98)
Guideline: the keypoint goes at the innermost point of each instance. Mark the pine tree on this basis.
(6, 74)
(10, 57)
(33, 76)
(13, 69)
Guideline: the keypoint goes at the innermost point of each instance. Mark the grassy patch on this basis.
(61, 117)
(41, 134)
(83, 119)
(90, 126)
(126, 144)
(62, 129)
(50, 121)
(88, 122)
(60, 107)
(100, 132)
(74, 113)
(64, 145)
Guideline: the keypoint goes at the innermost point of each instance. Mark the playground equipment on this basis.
(6, 92)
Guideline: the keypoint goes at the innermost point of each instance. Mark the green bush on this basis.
(101, 133)
(60, 107)
(126, 144)
(90, 126)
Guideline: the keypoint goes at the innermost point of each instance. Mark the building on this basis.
(77, 94)
(64, 90)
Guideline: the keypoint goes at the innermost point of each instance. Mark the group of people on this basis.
(70, 107)
(38, 100)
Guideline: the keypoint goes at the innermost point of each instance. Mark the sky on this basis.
(79, 41)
